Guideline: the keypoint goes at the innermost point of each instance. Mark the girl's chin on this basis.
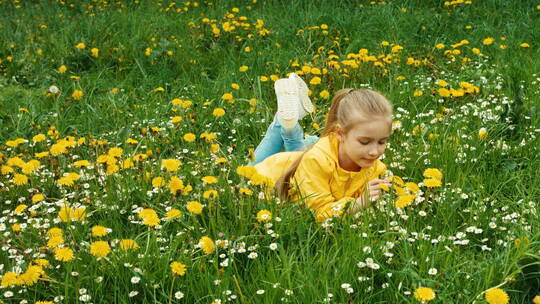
(364, 163)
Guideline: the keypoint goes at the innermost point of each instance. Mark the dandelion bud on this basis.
(483, 133)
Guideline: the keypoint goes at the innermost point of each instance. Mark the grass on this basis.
(478, 231)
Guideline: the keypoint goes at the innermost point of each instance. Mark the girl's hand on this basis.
(374, 188)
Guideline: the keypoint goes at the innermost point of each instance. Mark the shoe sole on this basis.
(303, 92)
(287, 99)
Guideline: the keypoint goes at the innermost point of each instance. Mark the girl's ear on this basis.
(339, 132)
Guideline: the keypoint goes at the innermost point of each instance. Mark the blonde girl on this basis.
(338, 172)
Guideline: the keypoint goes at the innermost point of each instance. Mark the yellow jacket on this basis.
(325, 186)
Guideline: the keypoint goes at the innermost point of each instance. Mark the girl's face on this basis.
(363, 144)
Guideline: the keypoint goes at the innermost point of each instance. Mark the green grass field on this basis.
(123, 124)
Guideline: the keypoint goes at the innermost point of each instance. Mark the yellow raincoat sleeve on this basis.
(313, 178)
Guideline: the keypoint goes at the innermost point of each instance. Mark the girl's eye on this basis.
(364, 143)
(382, 143)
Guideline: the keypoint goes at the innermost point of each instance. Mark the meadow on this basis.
(126, 127)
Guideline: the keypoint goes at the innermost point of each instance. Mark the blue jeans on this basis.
(277, 138)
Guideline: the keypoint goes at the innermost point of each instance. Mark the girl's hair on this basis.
(349, 107)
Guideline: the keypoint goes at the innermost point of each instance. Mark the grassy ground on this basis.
(95, 76)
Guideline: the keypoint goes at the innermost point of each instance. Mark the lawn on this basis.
(126, 126)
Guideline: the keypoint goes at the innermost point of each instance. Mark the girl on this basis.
(341, 169)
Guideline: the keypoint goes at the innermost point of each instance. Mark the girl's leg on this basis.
(271, 143)
(293, 139)
(310, 140)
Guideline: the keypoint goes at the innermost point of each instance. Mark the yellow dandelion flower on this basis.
(94, 52)
(100, 249)
(63, 254)
(128, 244)
(218, 112)
(158, 182)
(178, 268)
(243, 68)
(32, 275)
(194, 207)
(55, 241)
(37, 198)
(42, 154)
(315, 80)
(210, 194)
(207, 245)
(16, 227)
(41, 262)
(412, 187)
(210, 179)
(189, 137)
(171, 165)
(7, 170)
(264, 216)
(175, 185)
(11, 279)
(227, 96)
(424, 294)
(173, 214)
(246, 191)
(433, 173)
(442, 83)
(246, 171)
(62, 69)
(99, 231)
(81, 163)
(80, 46)
(439, 46)
(536, 299)
(497, 296)
(418, 93)
(77, 94)
(404, 200)
(488, 41)
(20, 179)
(432, 183)
(55, 231)
(20, 208)
(324, 94)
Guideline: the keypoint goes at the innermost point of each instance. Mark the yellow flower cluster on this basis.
(465, 88)
(433, 178)
(28, 278)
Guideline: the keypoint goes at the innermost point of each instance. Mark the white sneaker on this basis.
(304, 106)
(288, 100)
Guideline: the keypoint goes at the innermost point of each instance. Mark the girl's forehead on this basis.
(373, 128)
